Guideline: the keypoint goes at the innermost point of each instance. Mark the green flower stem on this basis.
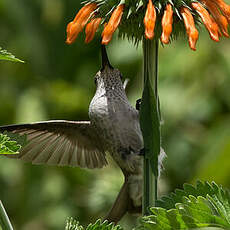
(150, 124)
(149, 188)
(4, 220)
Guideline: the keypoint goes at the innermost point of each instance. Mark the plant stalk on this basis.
(150, 55)
(4, 220)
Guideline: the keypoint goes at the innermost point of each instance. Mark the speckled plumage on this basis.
(116, 121)
(118, 127)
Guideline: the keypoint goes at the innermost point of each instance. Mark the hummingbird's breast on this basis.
(117, 124)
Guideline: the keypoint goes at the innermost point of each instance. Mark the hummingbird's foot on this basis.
(142, 152)
(138, 104)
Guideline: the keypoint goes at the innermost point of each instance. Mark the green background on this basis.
(56, 82)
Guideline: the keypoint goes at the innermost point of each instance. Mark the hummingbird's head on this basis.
(108, 77)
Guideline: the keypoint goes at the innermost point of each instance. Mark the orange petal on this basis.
(210, 26)
(150, 20)
(74, 30)
(77, 25)
(167, 21)
(220, 19)
(83, 19)
(215, 25)
(81, 11)
(68, 28)
(225, 8)
(191, 30)
(112, 25)
(91, 29)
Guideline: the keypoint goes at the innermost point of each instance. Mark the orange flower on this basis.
(209, 24)
(191, 30)
(220, 19)
(225, 8)
(91, 29)
(167, 21)
(150, 20)
(215, 26)
(215, 17)
(79, 22)
(112, 25)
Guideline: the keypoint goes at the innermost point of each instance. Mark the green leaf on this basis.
(206, 205)
(201, 189)
(8, 146)
(5, 55)
(73, 224)
(150, 125)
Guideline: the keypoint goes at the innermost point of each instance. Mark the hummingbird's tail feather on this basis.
(123, 204)
(120, 206)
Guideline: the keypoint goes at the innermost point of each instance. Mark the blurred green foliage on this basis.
(57, 83)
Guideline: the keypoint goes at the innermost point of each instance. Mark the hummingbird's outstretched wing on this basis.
(60, 142)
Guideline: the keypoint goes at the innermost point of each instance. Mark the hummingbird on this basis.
(113, 129)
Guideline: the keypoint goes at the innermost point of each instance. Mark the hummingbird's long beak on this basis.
(105, 59)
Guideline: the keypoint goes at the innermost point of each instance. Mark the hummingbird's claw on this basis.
(142, 152)
(138, 104)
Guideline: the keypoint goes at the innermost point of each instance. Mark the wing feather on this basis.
(42, 153)
(29, 152)
(60, 142)
(66, 150)
(94, 159)
(48, 151)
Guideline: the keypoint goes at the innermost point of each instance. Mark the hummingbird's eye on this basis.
(95, 80)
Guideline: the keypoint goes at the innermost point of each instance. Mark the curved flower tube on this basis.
(167, 21)
(225, 8)
(220, 19)
(91, 29)
(210, 25)
(191, 30)
(150, 20)
(112, 25)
